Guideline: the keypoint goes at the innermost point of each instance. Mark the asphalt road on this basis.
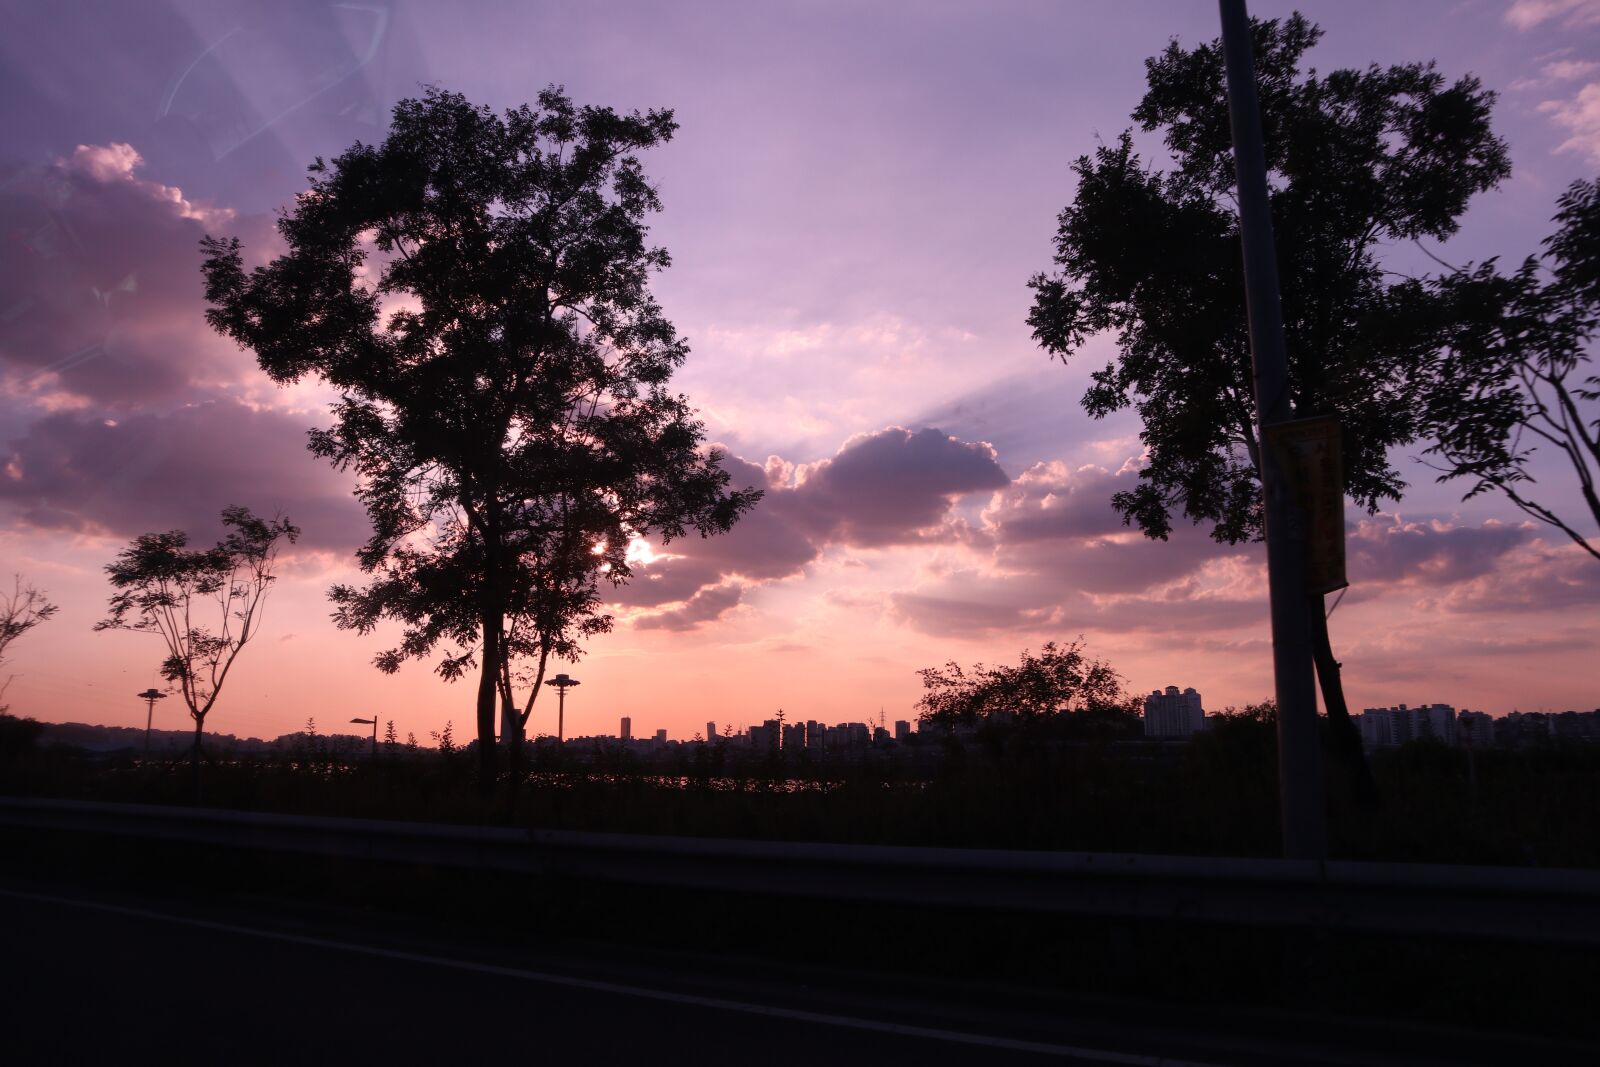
(92, 976)
(90, 979)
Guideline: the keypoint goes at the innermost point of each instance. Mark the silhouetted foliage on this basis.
(1511, 378)
(20, 611)
(1057, 680)
(1356, 159)
(503, 374)
(17, 736)
(163, 588)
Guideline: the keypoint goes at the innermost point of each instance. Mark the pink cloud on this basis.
(1537, 576)
(1580, 116)
(102, 286)
(1527, 14)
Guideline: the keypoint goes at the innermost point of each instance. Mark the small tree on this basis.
(20, 611)
(163, 588)
(1513, 372)
(1060, 679)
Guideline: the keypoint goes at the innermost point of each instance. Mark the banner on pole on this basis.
(1307, 451)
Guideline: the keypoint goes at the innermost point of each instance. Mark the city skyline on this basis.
(852, 232)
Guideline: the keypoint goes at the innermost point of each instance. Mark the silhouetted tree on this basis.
(163, 587)
(503, 377)
(1059, 679)
(1356, 159)
(1510, 378)
(20, 611)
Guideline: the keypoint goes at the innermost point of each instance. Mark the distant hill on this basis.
(92, 738)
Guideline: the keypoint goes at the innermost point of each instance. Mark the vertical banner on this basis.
(1308, 453)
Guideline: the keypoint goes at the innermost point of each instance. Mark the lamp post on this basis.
(372, 722)
(149, 696)
(562, 684)
(1301, 801)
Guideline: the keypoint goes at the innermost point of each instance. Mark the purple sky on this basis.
(854, 202)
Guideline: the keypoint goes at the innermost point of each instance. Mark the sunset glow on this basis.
(854, 203)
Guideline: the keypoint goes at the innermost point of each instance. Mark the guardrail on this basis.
(1522, 904)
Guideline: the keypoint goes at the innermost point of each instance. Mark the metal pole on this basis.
(374, 737)
(561, 714)
(1300, 789)
(149, 717)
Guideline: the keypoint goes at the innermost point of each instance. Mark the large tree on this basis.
(1514, 376)
(1358, 161)
(205, 604)
(476, 288)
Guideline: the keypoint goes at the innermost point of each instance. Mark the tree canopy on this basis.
(1058, 680)
(1513, 376)
(476, 287)
(1356, 159)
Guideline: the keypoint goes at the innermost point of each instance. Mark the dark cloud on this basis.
(1391, 550)
(1540, 576)
(895, 486)
(100, 285)
(1060, 556)
(1050, 501)
(1058, 522)
(73, 471)
(707, 605)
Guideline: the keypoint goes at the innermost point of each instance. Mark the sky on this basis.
(854, 202)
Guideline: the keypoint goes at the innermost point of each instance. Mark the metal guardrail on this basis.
(1525, 904)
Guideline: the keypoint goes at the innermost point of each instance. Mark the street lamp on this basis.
(372, 722)
(562, 684)
(149, 696)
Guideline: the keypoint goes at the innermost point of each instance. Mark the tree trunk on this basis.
(488, 693)
(194, 762)
(512, 735)
(1346, 737)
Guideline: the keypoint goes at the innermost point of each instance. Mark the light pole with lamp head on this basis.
(562, 684)
(372, 722)
(149, 696)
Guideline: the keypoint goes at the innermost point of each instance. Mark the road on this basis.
(95, 976)
(90, 979)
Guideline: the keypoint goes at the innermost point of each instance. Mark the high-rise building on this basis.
(627, 728)
(1382, 727)
(765, 737)
(902, 730)
(1173, 714)
(1475, 728)
(711, 731)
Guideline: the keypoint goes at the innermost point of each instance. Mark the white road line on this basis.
(1129, 1059)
